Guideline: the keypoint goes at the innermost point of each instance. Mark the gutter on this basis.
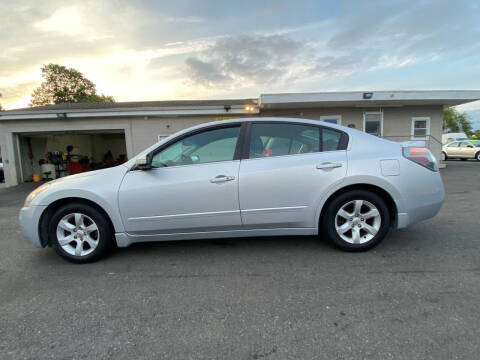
(59, 114)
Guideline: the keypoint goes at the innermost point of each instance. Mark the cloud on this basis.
(245, 59)
(185, 19)
(101, 39)
(365, 37)
(279, 61)
(407, 31)
(18, 95)
(66, 20)
(206, 73)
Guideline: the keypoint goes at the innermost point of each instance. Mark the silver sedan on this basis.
(239, 178)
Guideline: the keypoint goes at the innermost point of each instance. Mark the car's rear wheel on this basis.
(356, 220)
(80, 233)
(444, 156)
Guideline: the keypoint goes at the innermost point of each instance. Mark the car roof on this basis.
(458, 141)
(276, 119)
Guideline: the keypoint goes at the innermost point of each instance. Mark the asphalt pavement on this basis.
(415, 296)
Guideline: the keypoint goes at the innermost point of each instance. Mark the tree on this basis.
(453, 121)
(63, 85)
(476, 135)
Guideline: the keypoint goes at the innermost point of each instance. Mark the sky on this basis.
(204, 49)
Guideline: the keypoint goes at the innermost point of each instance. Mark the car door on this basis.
(285, 172)
(467, 150)
(192, 186)
(452, 149)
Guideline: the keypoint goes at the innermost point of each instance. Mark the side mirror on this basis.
(143, 163)
(470, 146)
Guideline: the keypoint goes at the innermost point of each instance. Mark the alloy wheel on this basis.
(77, 234)
(357, 221)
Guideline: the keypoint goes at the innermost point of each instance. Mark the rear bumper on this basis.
(29, 219)
(422, 203)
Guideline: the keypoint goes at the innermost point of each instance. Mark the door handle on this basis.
(328, 165)
(222, 178)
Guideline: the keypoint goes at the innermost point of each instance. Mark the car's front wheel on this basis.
(356, 220)
(477, 156)
(80, 233)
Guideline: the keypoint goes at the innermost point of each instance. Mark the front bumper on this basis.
(29, 219)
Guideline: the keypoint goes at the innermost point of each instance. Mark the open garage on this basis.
(51, 155)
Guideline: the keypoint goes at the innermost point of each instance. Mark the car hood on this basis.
(73, 178)
(89, 185)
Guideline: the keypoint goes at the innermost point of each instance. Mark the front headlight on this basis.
(35, 192)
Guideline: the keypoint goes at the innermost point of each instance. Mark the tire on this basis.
(444, 156)
(88, 230)
(477, 156)
(368, 236)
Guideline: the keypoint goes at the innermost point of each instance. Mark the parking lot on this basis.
(416, 296)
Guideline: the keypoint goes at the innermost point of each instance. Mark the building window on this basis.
(332, 119)
(373, 123)
(420, 127)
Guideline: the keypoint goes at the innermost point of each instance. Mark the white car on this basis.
(237, 178)
(461, 150)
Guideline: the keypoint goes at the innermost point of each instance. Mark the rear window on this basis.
(331, 140)
(278, 139)
(273, 139)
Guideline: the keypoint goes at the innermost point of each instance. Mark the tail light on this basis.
(421, 156)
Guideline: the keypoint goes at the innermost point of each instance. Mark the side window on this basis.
(331, 140)
(464, 144)
(273, 139)
(455, 144)
(208, 146)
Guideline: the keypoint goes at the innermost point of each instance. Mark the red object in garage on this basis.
(75, 167)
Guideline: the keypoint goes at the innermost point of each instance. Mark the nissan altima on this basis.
(240, 178)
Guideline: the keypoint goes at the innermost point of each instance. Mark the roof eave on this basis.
(369, 99)
(108, 113)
